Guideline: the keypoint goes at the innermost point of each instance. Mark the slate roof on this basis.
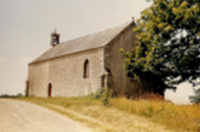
(88, 42)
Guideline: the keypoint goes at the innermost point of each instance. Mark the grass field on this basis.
(123, 115)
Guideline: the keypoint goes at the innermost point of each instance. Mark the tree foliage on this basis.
(196, 97)
(167, 51)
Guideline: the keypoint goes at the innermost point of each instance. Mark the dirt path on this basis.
(19, 116)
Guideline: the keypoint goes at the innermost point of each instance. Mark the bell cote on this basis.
(55, 38)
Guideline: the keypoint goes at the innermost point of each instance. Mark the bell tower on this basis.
(55, 38)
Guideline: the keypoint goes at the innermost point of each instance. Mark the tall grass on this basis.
(182, 118)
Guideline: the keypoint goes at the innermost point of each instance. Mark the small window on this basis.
(86, 72)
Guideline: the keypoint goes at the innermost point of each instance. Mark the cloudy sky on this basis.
(26, 25)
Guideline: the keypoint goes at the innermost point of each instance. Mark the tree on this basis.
(196, 97)
(167, 50)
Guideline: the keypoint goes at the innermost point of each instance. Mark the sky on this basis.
(26, 25)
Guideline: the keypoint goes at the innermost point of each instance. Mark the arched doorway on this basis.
(49, 90)
(86, 69)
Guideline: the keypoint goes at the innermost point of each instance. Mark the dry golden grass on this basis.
(123, 115)
(119, 121)
(176, 117)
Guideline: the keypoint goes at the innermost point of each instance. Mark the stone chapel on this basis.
(81, 66)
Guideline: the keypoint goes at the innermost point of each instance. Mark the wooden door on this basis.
(49, 90)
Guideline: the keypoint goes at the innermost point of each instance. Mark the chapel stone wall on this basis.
(119, 82)
(66, 75)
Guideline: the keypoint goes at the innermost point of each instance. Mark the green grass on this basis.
(173, 117)
(64, 102)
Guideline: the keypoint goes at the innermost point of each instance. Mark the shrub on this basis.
(103, 94)
(99, 93)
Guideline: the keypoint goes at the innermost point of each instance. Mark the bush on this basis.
(19, 95)
(103, 94)
(99, 93)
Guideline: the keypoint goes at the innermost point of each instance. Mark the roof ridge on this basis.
(91, 41)
(112, 28)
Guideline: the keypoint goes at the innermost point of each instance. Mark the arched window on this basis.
(86, 70)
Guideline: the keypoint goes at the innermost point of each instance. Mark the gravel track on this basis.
(19, 116)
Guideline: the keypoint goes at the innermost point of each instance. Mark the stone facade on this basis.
(63, 75)
(114, 60)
